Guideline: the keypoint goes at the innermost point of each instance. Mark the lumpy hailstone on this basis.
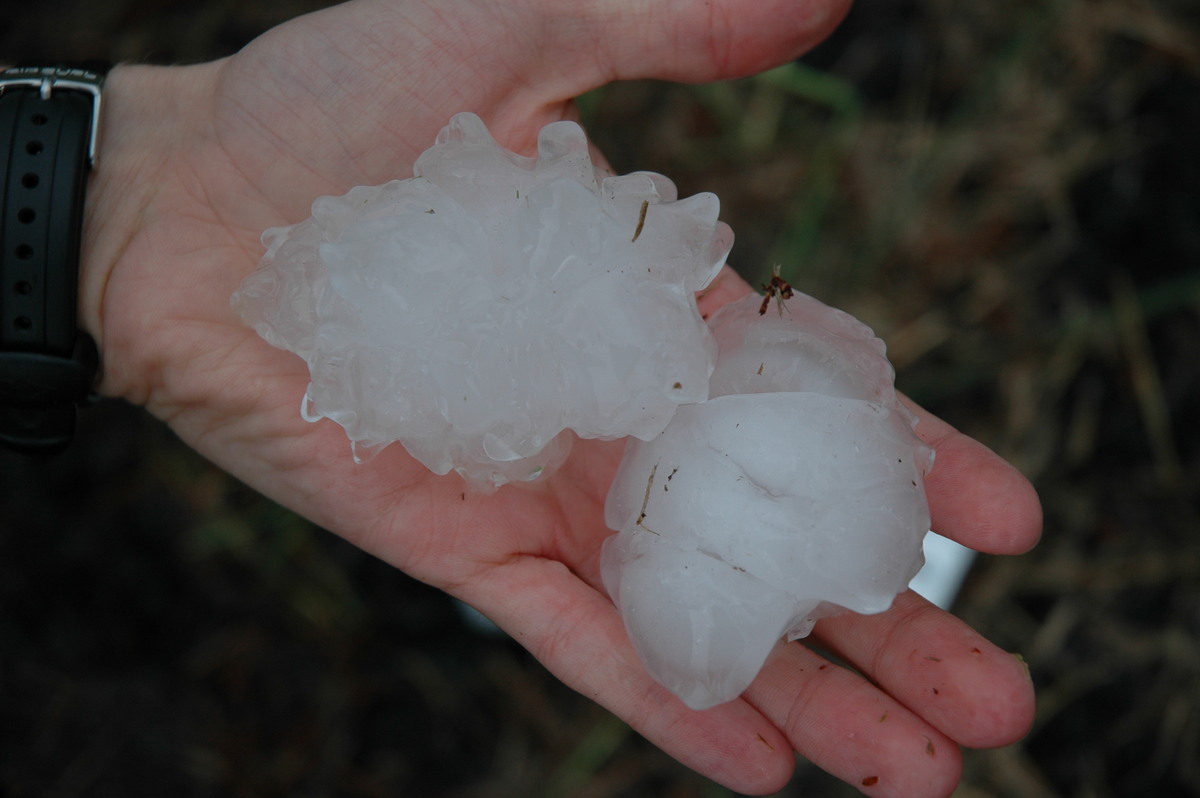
(479, 309)
(794, 492)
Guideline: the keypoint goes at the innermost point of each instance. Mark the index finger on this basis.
(975, 496)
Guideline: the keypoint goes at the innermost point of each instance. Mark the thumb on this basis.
(695, 41)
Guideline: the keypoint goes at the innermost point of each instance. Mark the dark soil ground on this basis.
(1008, 192)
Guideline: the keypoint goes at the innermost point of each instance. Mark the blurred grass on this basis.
(1007, 193)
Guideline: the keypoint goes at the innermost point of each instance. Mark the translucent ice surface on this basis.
(478, 310)
(796, 492)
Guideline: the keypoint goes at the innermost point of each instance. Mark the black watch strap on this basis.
(48, 121)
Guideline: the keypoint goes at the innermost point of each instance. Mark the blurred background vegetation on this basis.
(1009, 193)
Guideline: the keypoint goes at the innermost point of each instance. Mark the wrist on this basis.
(119, 190)
(146, 121)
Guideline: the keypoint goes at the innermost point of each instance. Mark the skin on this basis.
(196, 161)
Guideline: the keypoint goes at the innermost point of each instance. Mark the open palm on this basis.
(197, 161)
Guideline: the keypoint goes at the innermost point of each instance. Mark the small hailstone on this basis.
(796, 492)
(481, 309)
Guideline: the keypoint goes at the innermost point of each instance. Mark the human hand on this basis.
(197, 161)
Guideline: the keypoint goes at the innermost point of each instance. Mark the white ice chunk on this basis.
(947, 563)
(795, 493)
(809, 346)
(480, 310)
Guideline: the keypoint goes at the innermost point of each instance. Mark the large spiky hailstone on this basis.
(795, 492)
(481, 309)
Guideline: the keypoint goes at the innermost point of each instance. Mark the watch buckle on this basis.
(48, 79)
